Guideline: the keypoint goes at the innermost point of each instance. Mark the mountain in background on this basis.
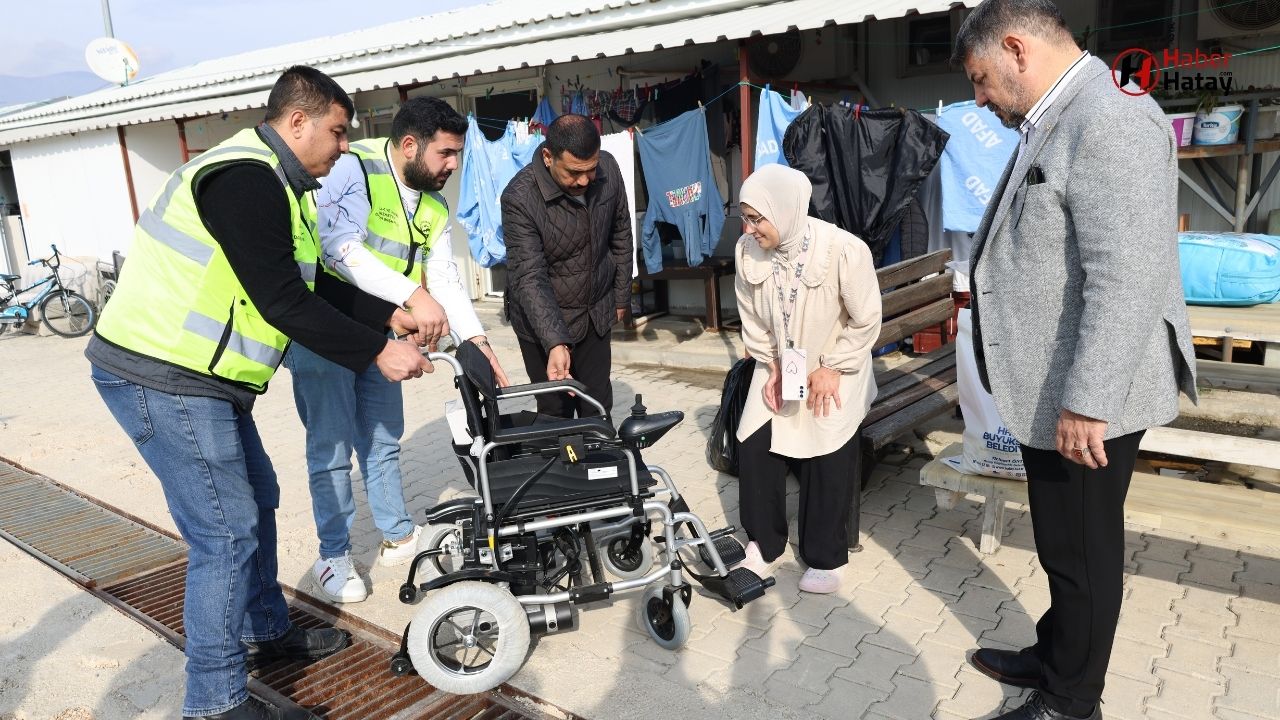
(15, 90)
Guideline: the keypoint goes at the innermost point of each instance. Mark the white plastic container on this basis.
(1184, 126)
(1219, 126)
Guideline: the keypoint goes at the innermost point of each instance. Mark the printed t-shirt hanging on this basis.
(676, 159)
(776, 113)
(972, 162)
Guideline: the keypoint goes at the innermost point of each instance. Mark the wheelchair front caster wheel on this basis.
(401, 665)
(624, 563)
(468, 637)
(667, 622)
(408, 594)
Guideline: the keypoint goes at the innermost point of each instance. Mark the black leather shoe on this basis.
(1035, 709)
(250, 709)
(1019, 669)
(299, 644)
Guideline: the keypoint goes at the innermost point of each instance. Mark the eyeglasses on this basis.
(754, 221)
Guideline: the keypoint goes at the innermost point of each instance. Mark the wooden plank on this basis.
(1201, 340)
(1236, 376)
(918, 391)
(913, 269)
(1212, 446)
(896, 302)
(1192, 152)
(884, 377)
(1257, 322)
(906, 382)
(876, 436)
(902, 326)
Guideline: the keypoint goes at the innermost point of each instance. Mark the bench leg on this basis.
(992, 525)
(947, 499)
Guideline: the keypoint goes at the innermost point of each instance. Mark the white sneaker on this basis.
(337, 580)
(754, 561)
(821, 582)
(390, 553)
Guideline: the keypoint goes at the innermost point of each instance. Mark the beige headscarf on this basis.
(781, 195)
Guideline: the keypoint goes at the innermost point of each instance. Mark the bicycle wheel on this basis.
(67, 314)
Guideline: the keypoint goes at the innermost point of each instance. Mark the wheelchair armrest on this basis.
(555, 430)
(569, 384)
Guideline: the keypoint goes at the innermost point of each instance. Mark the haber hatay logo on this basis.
(1137, 71)
(1137, 65)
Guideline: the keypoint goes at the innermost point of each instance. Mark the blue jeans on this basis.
(344, 411)
(222, 494)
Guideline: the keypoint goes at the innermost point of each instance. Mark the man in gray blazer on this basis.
(1080, 329)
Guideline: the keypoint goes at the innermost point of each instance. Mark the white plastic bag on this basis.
(989, 448)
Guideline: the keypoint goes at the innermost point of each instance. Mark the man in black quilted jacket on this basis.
(569, 247)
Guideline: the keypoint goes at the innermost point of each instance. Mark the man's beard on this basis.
(1008, 118)
(418, 177)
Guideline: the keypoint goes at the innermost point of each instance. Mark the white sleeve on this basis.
(445, 284)
(343, 211)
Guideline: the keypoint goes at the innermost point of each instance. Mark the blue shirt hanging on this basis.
(776, 114)
(487, 167)
(676, 158)
(972, 162)
(545, 114)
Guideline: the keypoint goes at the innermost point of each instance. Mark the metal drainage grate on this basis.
(142, 570)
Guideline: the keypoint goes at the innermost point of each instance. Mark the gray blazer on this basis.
(1076, 282)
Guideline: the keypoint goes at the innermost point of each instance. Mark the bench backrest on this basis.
(912, 300)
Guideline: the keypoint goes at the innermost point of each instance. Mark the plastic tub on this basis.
(1184, 126)
(1220, 126)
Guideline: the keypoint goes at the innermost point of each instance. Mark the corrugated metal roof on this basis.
(501, 35)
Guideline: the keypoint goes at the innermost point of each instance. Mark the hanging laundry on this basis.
(545, 114)
(487, 167)
(776, 114)
(676, 160)
(972, 163)
(622, 147)
(866, 166)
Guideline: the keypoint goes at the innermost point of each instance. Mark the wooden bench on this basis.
(917, 295)
(1243, 516)
(709, 272)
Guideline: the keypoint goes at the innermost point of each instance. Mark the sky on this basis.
(45, 37)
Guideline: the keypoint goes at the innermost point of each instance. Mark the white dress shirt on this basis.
(343, 205)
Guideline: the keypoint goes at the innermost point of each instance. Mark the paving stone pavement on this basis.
(1199, 635)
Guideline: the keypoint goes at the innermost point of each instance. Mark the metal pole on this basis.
(106, 18)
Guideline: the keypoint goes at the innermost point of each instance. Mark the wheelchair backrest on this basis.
(479, 390)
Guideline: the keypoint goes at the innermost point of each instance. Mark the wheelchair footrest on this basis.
(741, 586)
(728, 548)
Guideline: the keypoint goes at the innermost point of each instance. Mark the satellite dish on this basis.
(112, 60)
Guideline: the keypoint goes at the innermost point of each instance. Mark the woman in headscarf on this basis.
(803, 284)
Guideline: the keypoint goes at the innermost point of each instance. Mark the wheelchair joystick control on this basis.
(641, 429)
(639, 410)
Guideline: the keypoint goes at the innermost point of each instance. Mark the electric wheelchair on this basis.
(567, 514)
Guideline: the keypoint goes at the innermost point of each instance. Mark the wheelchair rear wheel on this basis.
(667, 622)
(468, 637)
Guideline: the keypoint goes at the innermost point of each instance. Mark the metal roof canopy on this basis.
(448, 45)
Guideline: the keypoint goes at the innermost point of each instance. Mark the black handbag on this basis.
(722, 445)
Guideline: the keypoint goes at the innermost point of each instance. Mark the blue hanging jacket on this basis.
(545, 114)
(676, 158)
(972, 162)
(487, 167)
(776, 114)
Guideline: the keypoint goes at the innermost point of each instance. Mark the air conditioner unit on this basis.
(1222, 19)
(817, 54)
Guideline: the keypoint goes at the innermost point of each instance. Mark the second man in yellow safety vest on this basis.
(384, 227)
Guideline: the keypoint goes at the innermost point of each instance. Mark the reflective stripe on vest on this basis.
(390, 236)
(179, 300)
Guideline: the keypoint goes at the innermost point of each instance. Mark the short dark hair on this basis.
(309, 90)
(575, 133)
(423, 116)
(989, 22)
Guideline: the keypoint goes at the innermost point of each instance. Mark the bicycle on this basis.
(66, 312)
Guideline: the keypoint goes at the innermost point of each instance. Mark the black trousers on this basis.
(590, 363)
(828, 484)
(1077, 516)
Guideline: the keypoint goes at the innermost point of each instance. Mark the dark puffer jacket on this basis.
(568, 265)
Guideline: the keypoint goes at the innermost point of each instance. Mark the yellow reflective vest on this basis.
(178, 300)
(391, 237)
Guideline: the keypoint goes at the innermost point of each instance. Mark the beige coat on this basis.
(836, 320)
